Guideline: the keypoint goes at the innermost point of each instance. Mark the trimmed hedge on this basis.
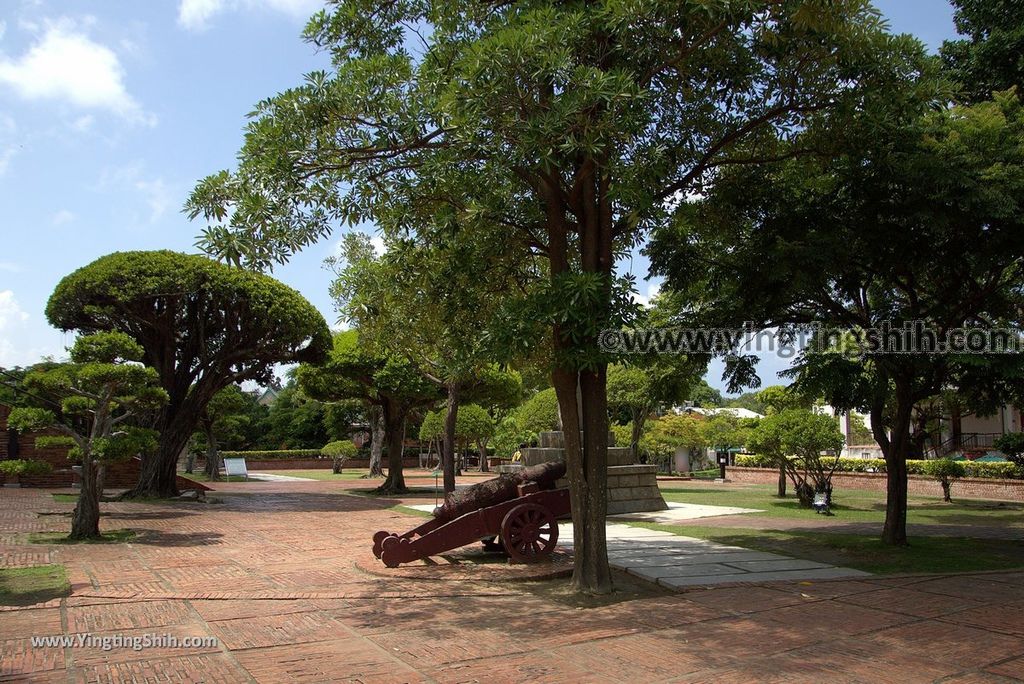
(275, 455)
(1004, 470)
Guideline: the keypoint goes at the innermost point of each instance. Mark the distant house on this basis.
(268, 397)
(965, 435)
(735, 412)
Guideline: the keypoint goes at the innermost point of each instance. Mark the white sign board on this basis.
(235, 466)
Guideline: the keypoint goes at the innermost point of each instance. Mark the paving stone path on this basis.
(678, 562)
(282, 576)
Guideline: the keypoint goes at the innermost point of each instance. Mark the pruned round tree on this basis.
(201, 324)
(355, 370)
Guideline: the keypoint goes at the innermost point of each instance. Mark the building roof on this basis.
(737, 412)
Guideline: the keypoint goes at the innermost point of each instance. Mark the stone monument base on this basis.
(632, 487)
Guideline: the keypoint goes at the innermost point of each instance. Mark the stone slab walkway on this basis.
(678, 562)
(283, 578)
(680, 512)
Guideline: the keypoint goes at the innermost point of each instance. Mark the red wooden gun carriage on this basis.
(521, 510)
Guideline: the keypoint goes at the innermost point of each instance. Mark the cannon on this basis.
(521, 510)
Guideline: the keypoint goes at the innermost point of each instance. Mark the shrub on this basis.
(22, 467)
(54, 442)
(339, 452)
(946, 472)
(274, 455)
(1012, 445)
(978, 469)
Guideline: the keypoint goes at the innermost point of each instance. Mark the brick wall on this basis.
(57, 457)
(967, 488)
(118, 475)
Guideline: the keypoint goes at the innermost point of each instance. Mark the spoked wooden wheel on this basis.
(529, 533)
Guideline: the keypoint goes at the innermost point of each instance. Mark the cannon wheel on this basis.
(529, 533)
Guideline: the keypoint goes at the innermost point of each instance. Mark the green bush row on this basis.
(290, 454)
(1005, 470)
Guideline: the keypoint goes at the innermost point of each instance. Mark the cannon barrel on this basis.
(502, 488)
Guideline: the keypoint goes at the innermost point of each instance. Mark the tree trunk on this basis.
(482, 448)
(377, 432)
(947, 494)
(450, 418)
(394, 428)
(587, 470)
(158, 476)
(212, 458)
(782, 482)
(85, 521)
(894, 533)
(639, 418)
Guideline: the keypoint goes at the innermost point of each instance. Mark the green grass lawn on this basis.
(853, 505)
(866, 552)
(27, 586)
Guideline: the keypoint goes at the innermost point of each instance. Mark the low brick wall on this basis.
(967, 488)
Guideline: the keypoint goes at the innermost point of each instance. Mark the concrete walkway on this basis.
(268, 477)
(678, 562)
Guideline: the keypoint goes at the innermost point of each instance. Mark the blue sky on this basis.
(111, 111)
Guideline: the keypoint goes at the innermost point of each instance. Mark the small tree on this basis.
(678, 432)
(432, 431)
(102, 388)
(776, 399)
(946, 472)
(475, 425)
(795, 439)
(638, 390)
(1012, 444)
(222, 419)
(339, 452)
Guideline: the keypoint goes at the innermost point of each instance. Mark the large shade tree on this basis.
(201, 325)
(566, 130)
(434, 303)
(989, 57)
(919, 220)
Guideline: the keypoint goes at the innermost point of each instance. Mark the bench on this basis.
(235, 466)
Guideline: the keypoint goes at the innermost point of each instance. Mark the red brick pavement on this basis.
(282, 576)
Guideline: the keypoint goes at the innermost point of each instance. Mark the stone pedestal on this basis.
(632, 487)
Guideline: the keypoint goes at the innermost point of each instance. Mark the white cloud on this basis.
(61, 217)
(20, 344)
(12, 319)
(10, 311)
(8, 146)
(65, 64)
(157, 196)
(378, 245)
(195, 15)
(645, 300)
(83, 123)
(155, 192)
